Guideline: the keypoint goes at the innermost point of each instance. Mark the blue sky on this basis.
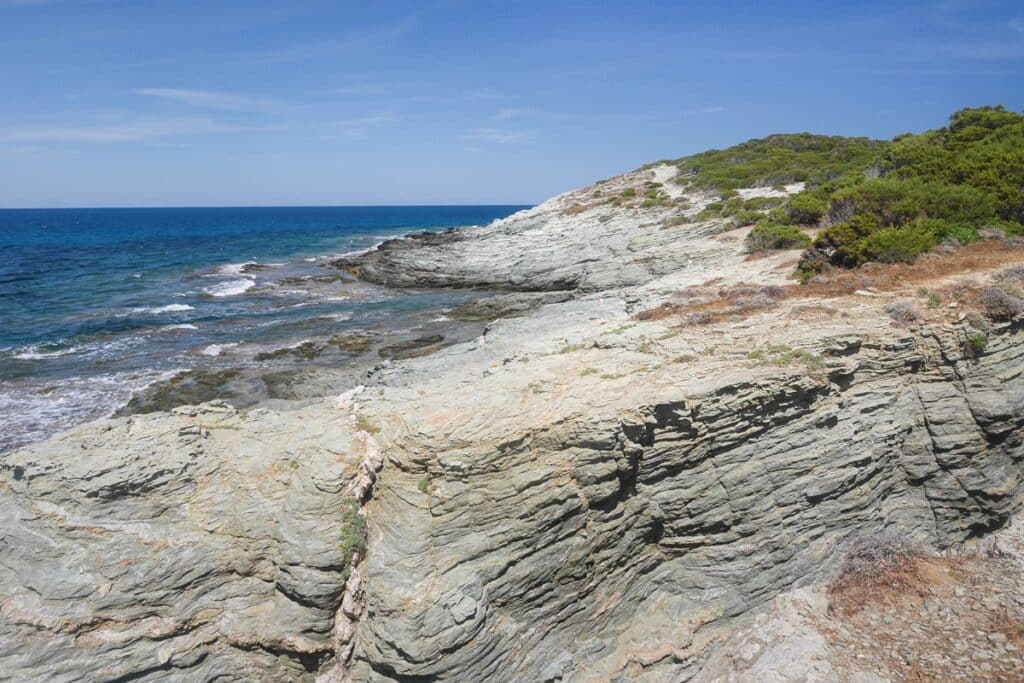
(151, 103)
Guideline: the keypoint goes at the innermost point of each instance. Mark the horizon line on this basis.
(259, 206)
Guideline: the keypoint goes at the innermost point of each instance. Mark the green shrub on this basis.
(975, 343)
(762, 203)
(964, 234)
(806, 208)
(746, 217)
(779, 159)
(961, 182)
(895, 245)
(628, 192)
(773, 236)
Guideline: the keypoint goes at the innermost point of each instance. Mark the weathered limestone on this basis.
(619, 546)
(547, 248)
(197, 544)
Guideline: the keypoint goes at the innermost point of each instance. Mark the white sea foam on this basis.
(231, 288)
(353, 252)
(233, 268)
(34, 353)
(217, 349)
(186, 326)
(30, 412)
(169, 308)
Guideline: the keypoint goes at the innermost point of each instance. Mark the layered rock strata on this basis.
(580, 493)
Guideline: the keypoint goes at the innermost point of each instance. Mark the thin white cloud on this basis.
(220, 101)
(513, 113)
(359, 128)
(311, 50)
(500, 136)
(129, 131)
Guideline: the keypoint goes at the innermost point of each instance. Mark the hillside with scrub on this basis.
(869, 200)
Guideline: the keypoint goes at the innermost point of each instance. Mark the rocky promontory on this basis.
(651, 465)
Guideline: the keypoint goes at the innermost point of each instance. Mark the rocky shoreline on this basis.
(584, 491)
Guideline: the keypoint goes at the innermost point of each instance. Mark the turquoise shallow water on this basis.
(96, 303)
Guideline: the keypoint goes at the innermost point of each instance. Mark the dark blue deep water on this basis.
(96, 303)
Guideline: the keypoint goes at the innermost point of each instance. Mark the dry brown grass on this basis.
(979, 256)
(705, 305)
(914, 576)
(574, 209)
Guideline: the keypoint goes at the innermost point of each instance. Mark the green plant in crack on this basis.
(783, 355)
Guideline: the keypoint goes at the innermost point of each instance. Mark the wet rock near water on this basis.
(504, 305)
(353, 343)
(412, 348)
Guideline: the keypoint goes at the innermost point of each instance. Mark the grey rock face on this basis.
(543, 249)
(188, 546)
(616, 548)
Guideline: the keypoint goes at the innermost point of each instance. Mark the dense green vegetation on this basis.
(772, 236)
(779, 160)
(874, 200)
(941, 186)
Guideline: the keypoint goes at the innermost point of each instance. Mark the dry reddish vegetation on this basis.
(979, 256)
(913, 616)
(875, 568)
(705, 304)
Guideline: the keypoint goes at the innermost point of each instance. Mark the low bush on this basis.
(975, 342)
(773, 236)
(746, 217)
(903, 312)
(1013, 273)
(877, 554)
(752, 297)
(806, 208)
(874, 566)
(1000, 304)
(893, 245)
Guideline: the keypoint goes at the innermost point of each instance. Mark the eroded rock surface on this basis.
(549, 247)
(197, 545)
(618, 546)
(580, 493)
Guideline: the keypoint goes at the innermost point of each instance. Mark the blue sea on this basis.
(96, 304)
